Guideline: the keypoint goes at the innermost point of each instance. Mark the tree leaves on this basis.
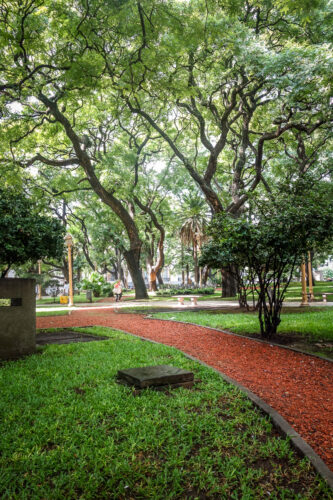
(25, 234)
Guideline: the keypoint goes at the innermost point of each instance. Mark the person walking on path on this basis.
(117, 290)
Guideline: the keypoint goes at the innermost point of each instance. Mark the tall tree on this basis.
(222, 84)
(192, 231)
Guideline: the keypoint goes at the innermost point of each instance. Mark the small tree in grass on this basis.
(263, 250)
(24, 233)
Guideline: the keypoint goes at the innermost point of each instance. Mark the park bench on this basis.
(193, 298)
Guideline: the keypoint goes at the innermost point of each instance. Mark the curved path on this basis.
(298, 386)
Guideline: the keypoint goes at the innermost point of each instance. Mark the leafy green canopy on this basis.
(278, 232)
(26, 235)
(262, 250)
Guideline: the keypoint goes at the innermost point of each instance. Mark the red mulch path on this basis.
(299, 387)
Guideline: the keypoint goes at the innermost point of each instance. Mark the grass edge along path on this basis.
(307, 330)
(314, 323)
(40, 314)
(70, 431)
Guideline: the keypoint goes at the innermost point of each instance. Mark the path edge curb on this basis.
(280, 424)
(278, 421)
(261, 341)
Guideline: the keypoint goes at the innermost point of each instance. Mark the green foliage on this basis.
(262, 251)
(208, 79)
(24, 233)
(277, 232)
(98, 285)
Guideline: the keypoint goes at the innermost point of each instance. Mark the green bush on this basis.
(99, 286)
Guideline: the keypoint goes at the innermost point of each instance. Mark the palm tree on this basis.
(192, 232)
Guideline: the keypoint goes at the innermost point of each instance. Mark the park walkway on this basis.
(298, 386)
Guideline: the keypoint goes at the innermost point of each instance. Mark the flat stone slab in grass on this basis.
(153, 376)
(65, 337)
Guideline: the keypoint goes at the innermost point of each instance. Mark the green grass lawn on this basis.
(294, 292)
(51, 313)
(306, 329)
(68, 430)
(315, 324)
(78, 299)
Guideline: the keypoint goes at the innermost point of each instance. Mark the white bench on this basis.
(193, 298)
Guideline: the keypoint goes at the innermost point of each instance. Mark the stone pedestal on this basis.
(17, 317)
(156, 377)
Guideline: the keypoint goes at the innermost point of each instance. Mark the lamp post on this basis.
(310, 277)
(40, 285)
(69, 243)
(305, 301)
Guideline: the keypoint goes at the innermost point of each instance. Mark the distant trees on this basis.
(24, 233)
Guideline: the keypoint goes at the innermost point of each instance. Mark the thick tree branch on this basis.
(85, 162)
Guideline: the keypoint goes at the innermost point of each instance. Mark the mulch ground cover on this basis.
(298, 386)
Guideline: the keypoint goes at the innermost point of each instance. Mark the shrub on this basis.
(98, 285)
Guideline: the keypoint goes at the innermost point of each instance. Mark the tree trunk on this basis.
(4, 272)
(307, 271)
(153, 269)
(83, 159)
(187, 274)
(118, 265)
(132, 259)
(125, 276)
(159, 277)
(182, 264)
(65, 270)
(87, 256)
(269, 307)
(205, 272)
(229, 284)
(196, 267)
(152, 281)
(122, 277)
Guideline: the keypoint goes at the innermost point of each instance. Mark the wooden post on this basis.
(40, 285)
(305, 301)
(70, 273)
(310, 277)
(69, 243)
